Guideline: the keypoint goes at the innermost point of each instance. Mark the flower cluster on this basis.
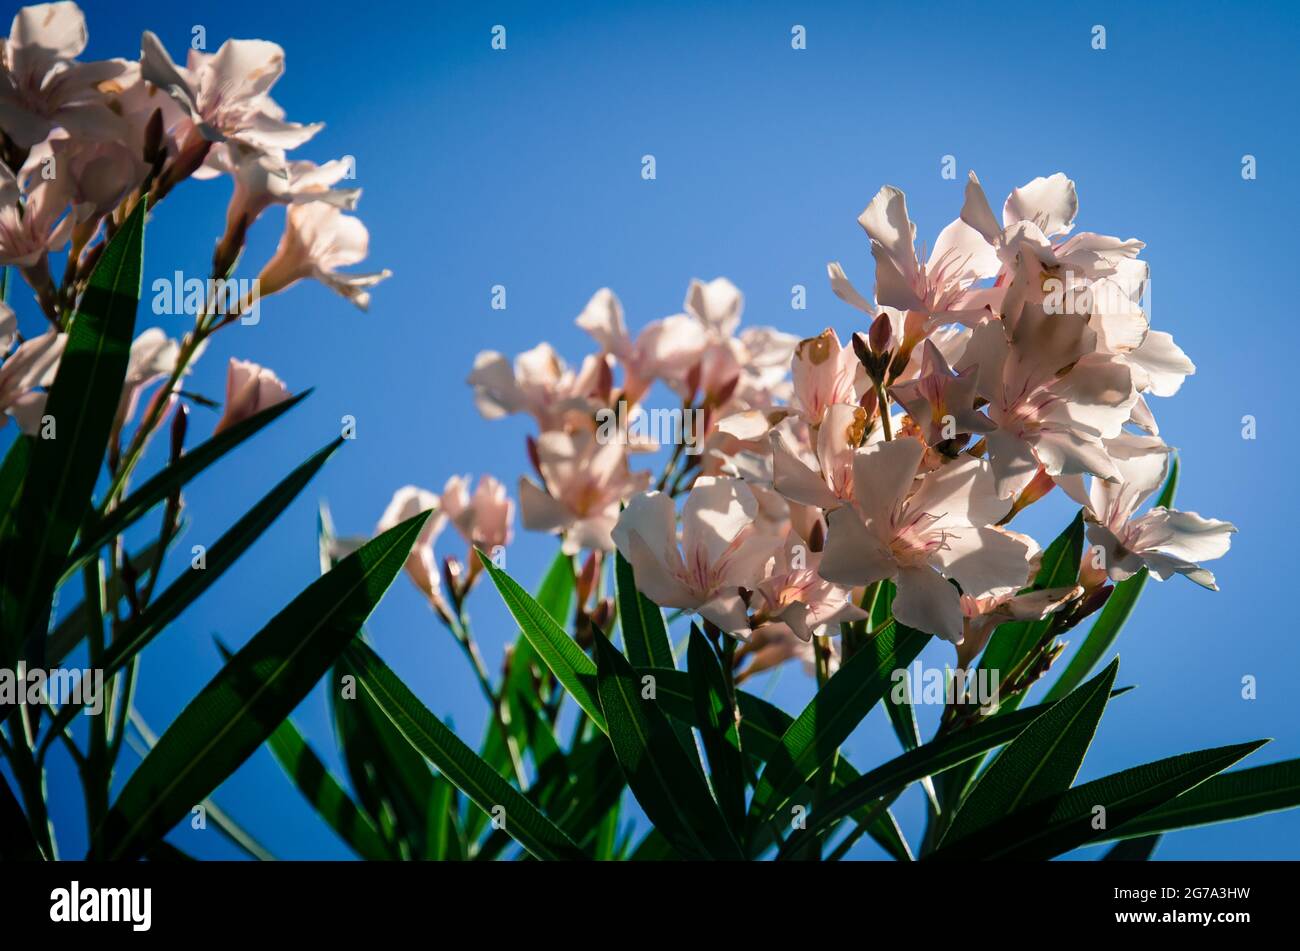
(85, 142)
(1015, 358)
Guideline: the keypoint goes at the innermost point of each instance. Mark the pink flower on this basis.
(540, 384)
(795, 596)
(821, 475)
(33, 364)
(824, 372)
(941, 405)
(941, 287)
(153, 355)
(921, 533)
(660, 350)
(483, 518)
(1053, 397)
(421, 565)
(249, 390)
(1165, 541)
(263, 179)
(318, 240)
(42, 87)
(40, 224)
(983, 615)
(584, 484)
(102, 173)
(227, 94)
(721, 550)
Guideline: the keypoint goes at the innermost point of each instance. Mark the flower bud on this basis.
(881, 335)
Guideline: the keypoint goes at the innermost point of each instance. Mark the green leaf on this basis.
(319, 787)
(762, 725)
(392, 781)
(645, 638)
(658, 771)
(83, 402)
(159, 487)
(1119, 606)
(72, 630)
(1012, 641)
(456, 761)
(17, 844)
(831, 717)
(557, 649)
(719, 730)
(12, 474)
(1068, 820)
(239, 708)
(1038, 764)
(1132, 850)
(519, 696)
(1236, 795)
(886, 781)
(137, 634)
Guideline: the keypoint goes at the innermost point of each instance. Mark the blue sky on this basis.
(522, 168)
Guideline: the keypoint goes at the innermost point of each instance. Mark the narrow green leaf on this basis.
(645, 638)
(1132, 850)
(82, 402)
(658, 771)
(456, 761)
(243, 704)
(1236, 795)
(1117, 610)
(719, 729)
(319, 787)
(391, 780)
(182, 592)
(831, 717)
(1038, 764)
(557, 649)
(12, 473)
(71, 631)
(156, 490)
(17, 844)
(1012, 641)
(1069, 819)
(893, 777)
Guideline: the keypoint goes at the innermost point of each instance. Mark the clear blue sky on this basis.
(522, 168)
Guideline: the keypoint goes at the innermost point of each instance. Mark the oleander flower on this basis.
(540, 384)
(824, 372)
(584, 483)
(1053, 397)
(922, 532)
(153, 355)
(44, 87)
(31, 365)
(820, 474)
(319, 239)
(1165, 541)
(249, 390)
(421, 565)
(942, 405)
(660, 347)
(40, 223)
(226, 94)
(942, 289)
(983, 615)
(721, 550)
(795, 596)
(483, 518)
(263, 179)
